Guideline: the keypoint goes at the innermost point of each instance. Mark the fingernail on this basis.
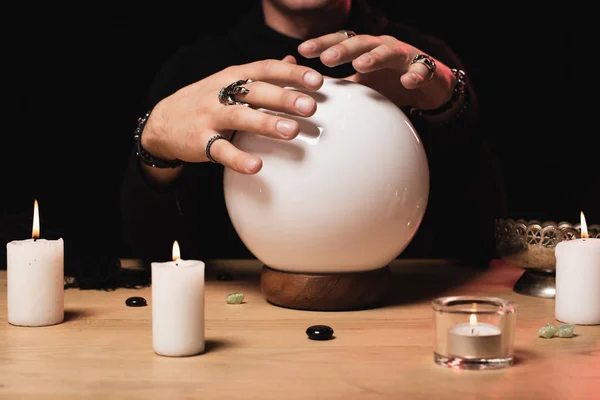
(250, 164)
(304, 104)
(308, 46)
(332, 53)
(286, 128)
(312, 78)
(365, 58)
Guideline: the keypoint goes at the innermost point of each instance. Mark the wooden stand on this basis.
(326, 292)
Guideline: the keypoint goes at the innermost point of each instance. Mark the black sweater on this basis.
(465, 196)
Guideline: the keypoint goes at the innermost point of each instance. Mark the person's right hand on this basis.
(180, 125)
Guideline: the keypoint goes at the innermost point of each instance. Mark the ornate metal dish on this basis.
(530, 245)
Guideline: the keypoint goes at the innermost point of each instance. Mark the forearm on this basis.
(150, 216)
(466, 190)
(459, 110)
(162, 177)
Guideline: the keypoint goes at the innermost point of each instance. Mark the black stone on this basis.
(319, 332)
(136, 302)
(224, 276)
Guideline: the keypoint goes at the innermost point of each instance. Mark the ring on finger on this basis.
(227, 93)
(426, 61)
(209, 145)
(348, 34)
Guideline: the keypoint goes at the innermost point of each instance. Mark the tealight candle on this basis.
(474, 340)
(474, 332)
(35, 279)
(577, 298)
(178, 306)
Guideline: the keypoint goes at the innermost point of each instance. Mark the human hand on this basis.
(381, 61)
(182, 124)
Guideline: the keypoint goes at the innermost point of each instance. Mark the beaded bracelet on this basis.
(459, 90)
(146, 157)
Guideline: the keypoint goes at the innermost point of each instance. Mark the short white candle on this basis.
(475, 340)
(577, 298)
(178, 306)
(35, 279)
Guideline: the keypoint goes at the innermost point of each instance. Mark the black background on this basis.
(76, 79)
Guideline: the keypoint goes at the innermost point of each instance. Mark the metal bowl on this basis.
(530, 244)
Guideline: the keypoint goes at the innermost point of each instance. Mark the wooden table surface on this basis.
(256, 350)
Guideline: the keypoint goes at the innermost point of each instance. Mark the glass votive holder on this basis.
(474, 332)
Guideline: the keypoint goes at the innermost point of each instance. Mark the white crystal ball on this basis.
(347, 194)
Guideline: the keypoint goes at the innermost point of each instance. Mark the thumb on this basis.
(289, 59)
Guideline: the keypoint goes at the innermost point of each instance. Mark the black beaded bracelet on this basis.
(459, 90)
(146, 157)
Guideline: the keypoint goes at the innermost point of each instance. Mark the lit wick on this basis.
(35, 231)
(176, 252)
(473, 322)
(473, 319)
(584, 231)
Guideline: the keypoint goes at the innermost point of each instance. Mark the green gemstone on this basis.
(235, 298)
(566, 330)
(547, 331)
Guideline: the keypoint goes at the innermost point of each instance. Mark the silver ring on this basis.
(348, 34)
(226, 93)
(209, 144)
(426, 61)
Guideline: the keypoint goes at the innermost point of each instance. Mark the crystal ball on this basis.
(347, 194)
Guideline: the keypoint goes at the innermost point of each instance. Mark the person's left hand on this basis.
(384, 64)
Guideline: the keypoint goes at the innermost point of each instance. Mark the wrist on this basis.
(152, 139)
(453, 107)
(149, 143)
(160, 177)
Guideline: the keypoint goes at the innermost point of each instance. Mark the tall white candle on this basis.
(35, 279)
(577, 298)
(178, 306)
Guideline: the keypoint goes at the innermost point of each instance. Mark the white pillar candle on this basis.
(475, 340)
(35, 279)
(178, 306)
(577, 298)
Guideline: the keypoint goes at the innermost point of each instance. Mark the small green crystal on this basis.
(547, 331)
(566, 330)
(235, 298)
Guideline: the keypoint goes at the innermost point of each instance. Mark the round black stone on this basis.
(319, 332)
(224, 276)
(136, 302)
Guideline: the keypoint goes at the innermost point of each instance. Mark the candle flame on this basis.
(176, 252)
(35, 230)
(584, 231)
(473, 319)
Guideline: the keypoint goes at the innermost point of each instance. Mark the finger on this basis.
(393, 56)
(281, 73)
(222, 151)
(276, 98)
(349, 50)
(263, 123)
(417, 76)
(289, 59)
(313, 48)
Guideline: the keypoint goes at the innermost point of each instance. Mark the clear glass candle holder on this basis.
(474, 332)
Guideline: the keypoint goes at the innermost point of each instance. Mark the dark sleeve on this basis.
(466, 194)
(150, 214)
(154, 217)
